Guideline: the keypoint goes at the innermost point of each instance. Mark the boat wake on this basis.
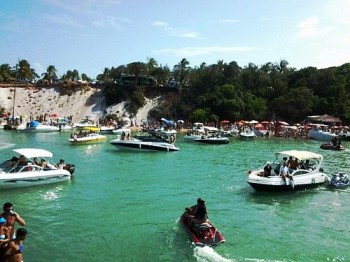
(208, 254)
(6, 145)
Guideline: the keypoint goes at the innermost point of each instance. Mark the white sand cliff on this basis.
(30, 101)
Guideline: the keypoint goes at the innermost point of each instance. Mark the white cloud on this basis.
(229, 21)
(189, 35)
(160, 24)
(200, 51)
(64, 20)
(310, 28)
(172, 31)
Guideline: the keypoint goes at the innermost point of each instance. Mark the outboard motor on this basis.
(70, 168)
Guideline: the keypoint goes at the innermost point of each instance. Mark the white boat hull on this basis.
(38, 129)
(17, 173)
(28, 179)
(137, 145)
(302, 177)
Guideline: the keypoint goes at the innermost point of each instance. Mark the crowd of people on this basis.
(11, 240)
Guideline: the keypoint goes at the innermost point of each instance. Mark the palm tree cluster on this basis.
(219, 91)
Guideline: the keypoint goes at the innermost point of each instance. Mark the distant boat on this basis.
(149, 142)
(212, 140)
(87, 139)
(36, 127)
(85, 123)
(318, 132)
(247, 134)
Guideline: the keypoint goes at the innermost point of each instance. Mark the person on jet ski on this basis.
(198, 213)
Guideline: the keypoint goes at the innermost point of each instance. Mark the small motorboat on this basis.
(77, 139)
(203, 234)
(308, 174)
(150, 142)
(213, 140)
(25, 170)
(36, 127)
(338, 180)
(250, 134)
(330, 146)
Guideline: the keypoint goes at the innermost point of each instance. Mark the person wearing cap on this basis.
(14, 250)
(11, 217)
(4, 237)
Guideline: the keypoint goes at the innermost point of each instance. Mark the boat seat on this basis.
(203, 225)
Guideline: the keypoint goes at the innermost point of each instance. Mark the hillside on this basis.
(89, 101)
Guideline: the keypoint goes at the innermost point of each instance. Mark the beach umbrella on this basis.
(265, 122)
(283, 123)
(180, 121)
(225, 122)
(253, 122)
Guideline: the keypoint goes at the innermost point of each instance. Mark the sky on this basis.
(90, 35)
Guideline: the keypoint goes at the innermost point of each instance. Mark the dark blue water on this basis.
(124, 206)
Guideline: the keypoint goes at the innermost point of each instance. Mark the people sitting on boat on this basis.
(9, 163)
(292, 163)
(284, 173)
(123, 136)
(43, 163)
(305, 165)
(36, 161)
(335, 141)
(61, 164)
(22, 161)
(267, 169)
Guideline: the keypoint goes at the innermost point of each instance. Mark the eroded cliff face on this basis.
(35, 101)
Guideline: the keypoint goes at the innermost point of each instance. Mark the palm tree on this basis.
(23, 70)
(181, 71)
(50, 74)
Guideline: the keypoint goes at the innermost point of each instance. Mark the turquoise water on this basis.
(124, 206)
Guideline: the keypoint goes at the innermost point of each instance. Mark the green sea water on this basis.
(124, 206)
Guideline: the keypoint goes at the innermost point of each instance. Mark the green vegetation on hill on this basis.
(215, 92)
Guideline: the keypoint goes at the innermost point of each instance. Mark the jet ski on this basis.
(201, 234)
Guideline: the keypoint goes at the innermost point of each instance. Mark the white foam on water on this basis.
(208, 254)
(6, 145)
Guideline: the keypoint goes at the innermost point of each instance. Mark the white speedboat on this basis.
(247, 134)
(120, 131)
(25, 170)
(308, 174)
(107, 129)
(191, 135)
(89, 138)
(36, 127)
(212, 140)
(319, 132)
(150, 142)
(86, 124)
